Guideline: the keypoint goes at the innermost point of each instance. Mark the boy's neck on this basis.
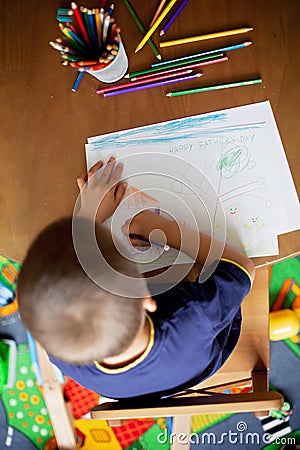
(134, 351)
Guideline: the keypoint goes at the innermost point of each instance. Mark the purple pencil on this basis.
(152, 85)
(173, 17)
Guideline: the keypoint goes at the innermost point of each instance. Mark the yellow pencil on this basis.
(205, 36)
(155, 25)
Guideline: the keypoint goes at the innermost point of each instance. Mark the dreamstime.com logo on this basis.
(239, 437)
(172, 187)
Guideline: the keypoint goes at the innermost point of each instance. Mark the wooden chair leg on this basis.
(181, 432)
(260, 384)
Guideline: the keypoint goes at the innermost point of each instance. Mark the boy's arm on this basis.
(154, 227)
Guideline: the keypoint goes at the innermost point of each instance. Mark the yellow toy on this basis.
(285, 324)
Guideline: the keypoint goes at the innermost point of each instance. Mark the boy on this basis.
(129, 345)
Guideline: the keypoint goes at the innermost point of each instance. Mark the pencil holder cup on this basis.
(114, 70)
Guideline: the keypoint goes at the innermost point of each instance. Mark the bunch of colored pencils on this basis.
(171, 71)
(91, 37)
(179, 69)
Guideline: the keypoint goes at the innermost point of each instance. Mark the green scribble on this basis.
(229, 160)
(234, 160)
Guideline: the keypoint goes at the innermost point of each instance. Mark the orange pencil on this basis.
(99, 27)
(157, 13)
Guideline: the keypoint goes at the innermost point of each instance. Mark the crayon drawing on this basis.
(231, 159)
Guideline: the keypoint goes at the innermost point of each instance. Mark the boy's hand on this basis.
(104, 193)
(142, 224)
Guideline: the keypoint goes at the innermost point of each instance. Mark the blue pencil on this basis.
(171, 20)
(77, 39)
(77, 81)
(187, 58)
(94, 34)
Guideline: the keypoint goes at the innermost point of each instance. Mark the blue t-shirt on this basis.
(193, 331)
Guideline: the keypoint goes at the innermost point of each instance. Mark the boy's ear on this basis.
(149, 304)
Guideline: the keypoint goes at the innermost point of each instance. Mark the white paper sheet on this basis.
(238, 151)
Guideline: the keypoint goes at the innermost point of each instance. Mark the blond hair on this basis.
(72, 317)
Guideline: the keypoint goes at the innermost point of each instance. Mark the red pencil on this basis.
(187, 66)
(92, 68)
(133, 87)
(81, 25)
(79, 64)
(137, 83)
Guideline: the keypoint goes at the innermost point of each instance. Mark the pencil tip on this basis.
(161, 33)
(248, 43)
(169, 94)
(127, 76)
(250, 29)
(137, 49)
(158, 57)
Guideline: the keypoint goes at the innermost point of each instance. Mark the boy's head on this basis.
(69, 314)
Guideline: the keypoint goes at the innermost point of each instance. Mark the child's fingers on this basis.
(125, 227)
(81, 180)
(138, 242)
(105, 176)
(119, 192)
(132, 238)
(94, 168)
(116, 174)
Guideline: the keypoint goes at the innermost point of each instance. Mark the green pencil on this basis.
(141, 28)
(214, 88)
(173, 65)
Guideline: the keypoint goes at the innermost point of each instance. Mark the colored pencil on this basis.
(188, 66)
(71, 27)
(210, 52)
(173, 17)
(155, 25)
(99, 27)
(105, 28)
(71, 57)
(157, 12)
(141, 28)
(172, 65)
(77, 81)
(214, 88)
(93, 30)
(96, 67)
(152, 85)
(110, 9)
(159, 77)
(59, 47)
(82, 46)
(81, 26)
(112, 32)
(204, 37)
(84, 12)
(73, 37)
(79, 64)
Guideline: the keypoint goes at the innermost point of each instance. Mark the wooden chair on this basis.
(248, 365)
